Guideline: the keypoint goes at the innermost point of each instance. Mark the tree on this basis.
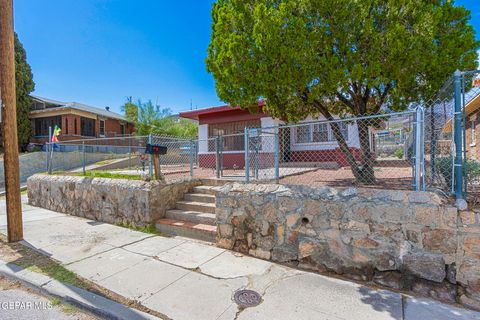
(337, 57)
(24, 86)
(130, 110)
(151, 119)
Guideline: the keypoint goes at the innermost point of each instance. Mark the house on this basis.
(472, 127)
(76, 120)
(310, 142)
(472, 130)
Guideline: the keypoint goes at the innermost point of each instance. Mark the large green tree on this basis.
(337, 57)
(24, 86)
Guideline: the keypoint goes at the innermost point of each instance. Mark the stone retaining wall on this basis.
(115, 201)
(404, 240)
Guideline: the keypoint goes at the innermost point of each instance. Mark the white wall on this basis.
(202, 138)
(268, 141)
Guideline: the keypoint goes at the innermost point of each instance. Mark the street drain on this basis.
(247, 298)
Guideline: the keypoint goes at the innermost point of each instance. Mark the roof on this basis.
(471, 106)
(195, 114)
(81, 107)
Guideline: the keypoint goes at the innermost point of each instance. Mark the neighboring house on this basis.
(76, 120)
(312, 142)
(472, 128)
(472, 133)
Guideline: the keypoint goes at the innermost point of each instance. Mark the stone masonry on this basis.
(116, 201)
(404, 240)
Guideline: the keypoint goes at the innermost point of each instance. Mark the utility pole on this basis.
(9, 115)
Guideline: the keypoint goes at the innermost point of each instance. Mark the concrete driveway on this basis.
(187, 279)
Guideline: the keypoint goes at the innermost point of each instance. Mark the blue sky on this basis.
(99, 52)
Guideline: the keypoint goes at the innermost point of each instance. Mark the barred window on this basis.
(235, 142)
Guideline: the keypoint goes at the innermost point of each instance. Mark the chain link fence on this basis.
(418, 149)
(373, 151)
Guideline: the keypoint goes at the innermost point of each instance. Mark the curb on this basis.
(78, 297)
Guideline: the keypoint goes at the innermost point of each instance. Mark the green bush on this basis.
(399, 153)
(443, 166)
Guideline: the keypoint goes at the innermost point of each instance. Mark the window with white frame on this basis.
(303, 134)
(102, 128)
(319, 133)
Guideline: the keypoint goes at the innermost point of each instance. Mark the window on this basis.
(319, 133)
(75, 126)
(303, 134)
(102, 128)
(87, 127)
(343, 130)
(42, 125)
(122, 129)
(66, 125)
(233, 142)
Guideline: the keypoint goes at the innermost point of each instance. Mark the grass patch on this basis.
(69, 309)
(56, 271)
(65, 307)
(55, 301)
(147, 229)
(101, 174)
(104, 162)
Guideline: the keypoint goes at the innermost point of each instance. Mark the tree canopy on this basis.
(24, 86)
(151, 119)
(337, 57)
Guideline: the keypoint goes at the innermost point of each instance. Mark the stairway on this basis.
(193, 217)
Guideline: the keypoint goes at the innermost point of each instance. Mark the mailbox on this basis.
(155, 149)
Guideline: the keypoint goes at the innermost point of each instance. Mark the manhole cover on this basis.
(247, 298)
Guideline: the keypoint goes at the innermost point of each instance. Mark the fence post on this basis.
(129, 153)
(150, 163)
(83, 158)
(458, 136)
(217, 156)
(419, 149)
(247, 160)
(277, 156)
(192, 150)
(220, 144)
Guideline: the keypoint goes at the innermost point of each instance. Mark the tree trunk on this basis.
(366, 173)
(362, 172)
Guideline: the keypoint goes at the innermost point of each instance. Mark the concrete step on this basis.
(186, 229)
(204, 190)
(191, 216)
(200, 197)
(196, 206)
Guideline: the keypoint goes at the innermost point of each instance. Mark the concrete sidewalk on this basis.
(186, 279)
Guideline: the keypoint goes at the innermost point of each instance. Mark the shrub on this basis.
(399, 153)
(443, 166)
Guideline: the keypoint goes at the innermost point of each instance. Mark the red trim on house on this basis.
(222, 113)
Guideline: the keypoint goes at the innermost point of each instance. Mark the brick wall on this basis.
(71, 129)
